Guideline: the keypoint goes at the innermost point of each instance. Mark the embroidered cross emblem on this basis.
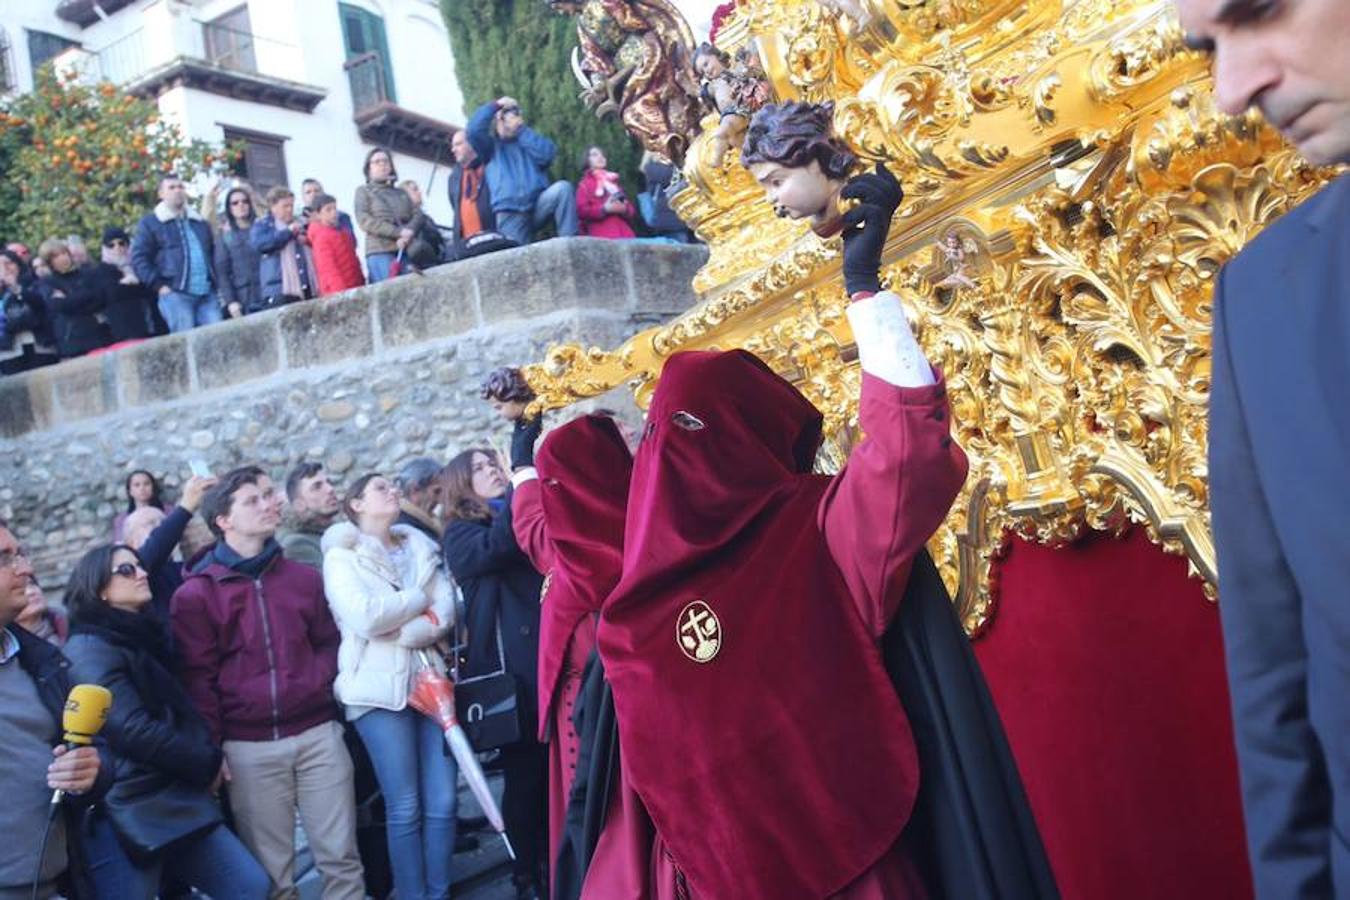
(698, 632)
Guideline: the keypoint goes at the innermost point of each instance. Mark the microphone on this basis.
(85, 712)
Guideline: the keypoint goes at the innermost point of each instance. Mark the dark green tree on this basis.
(522, 49)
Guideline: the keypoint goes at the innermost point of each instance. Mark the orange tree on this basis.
(79, 157)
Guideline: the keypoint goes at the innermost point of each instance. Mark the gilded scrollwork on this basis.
(1071, 192)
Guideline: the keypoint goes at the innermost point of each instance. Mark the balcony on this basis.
(380, 120)
(86, 12)
(172, 50)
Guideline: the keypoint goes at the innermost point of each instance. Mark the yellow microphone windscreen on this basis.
(86, 711)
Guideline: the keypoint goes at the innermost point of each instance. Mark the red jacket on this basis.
(335, 258)
(259, 657)
(595, 222)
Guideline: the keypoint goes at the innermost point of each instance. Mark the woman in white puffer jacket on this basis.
(391, 597)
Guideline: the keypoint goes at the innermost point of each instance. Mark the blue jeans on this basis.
(182, 312)
(417, 777)
(557, 202)
(377, 266)
(215, 863)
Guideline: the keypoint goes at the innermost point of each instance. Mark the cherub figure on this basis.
(735, 89)
(954, 253)
(633, 62)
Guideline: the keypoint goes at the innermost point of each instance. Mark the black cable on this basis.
(52, 809)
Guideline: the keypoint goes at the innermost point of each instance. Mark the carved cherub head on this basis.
(710, 62)
(791, 150)
(506, 391)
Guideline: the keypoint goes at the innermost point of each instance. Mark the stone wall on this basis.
(363, 381)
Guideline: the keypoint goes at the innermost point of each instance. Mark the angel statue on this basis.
(736, 89)
(633, 61)
(954, 252)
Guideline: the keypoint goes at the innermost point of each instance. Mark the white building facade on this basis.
(308, 87)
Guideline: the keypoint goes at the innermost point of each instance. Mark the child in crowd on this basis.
(334, 248)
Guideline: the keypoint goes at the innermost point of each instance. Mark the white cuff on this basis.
(527, 473)
(886, 346)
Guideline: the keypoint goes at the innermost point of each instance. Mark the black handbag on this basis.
(151, 813)
(488, 706)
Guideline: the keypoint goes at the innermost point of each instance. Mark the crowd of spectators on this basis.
(183, 266)
(255, 674)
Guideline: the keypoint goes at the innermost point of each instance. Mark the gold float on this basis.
(1070, 192)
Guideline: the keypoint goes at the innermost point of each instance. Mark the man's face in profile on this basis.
(1288, 58)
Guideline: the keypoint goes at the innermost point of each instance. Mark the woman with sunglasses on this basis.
(129, 302)
(237, 262)
(159, 820)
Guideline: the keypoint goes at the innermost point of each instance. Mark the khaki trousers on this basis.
(311, 772)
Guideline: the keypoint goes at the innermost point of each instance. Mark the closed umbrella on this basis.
(433, 695)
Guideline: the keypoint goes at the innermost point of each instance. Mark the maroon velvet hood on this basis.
(769, 746)
(584, 468)
(696, 489)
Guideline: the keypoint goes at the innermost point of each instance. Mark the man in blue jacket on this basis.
(1278, 421)
(517, 159)
(171, 253)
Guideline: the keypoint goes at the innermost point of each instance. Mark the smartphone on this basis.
(199, 468)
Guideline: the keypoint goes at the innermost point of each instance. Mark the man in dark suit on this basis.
(1279, 443)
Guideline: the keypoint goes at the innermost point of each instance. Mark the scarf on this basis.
(253, 566)
(295, 283)
(119, 259)
(146, 636)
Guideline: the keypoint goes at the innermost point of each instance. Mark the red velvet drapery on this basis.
(1106, 663)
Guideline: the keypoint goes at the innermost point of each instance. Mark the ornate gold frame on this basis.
(1074, 150)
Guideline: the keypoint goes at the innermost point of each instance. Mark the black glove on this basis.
(523, 438)
(866, 226)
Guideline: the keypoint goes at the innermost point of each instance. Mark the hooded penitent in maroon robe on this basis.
(569, 521)
(756, 720)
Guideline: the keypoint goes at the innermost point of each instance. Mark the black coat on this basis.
(499, 584)
(166, 574)
(51, 671)
(164, 758)
(24, 311)
(75, 300)
(237, 267)
(128, 305)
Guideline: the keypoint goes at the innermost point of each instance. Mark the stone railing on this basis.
(362, 381)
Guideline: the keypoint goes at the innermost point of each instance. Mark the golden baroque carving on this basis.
(1071, 192)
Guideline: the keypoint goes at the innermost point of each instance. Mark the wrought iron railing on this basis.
(130, 56)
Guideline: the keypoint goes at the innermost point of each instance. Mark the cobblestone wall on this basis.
(362, 382)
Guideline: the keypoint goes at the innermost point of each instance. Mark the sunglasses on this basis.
(126, 570)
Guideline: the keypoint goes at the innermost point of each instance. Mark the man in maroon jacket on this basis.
(259, 651)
